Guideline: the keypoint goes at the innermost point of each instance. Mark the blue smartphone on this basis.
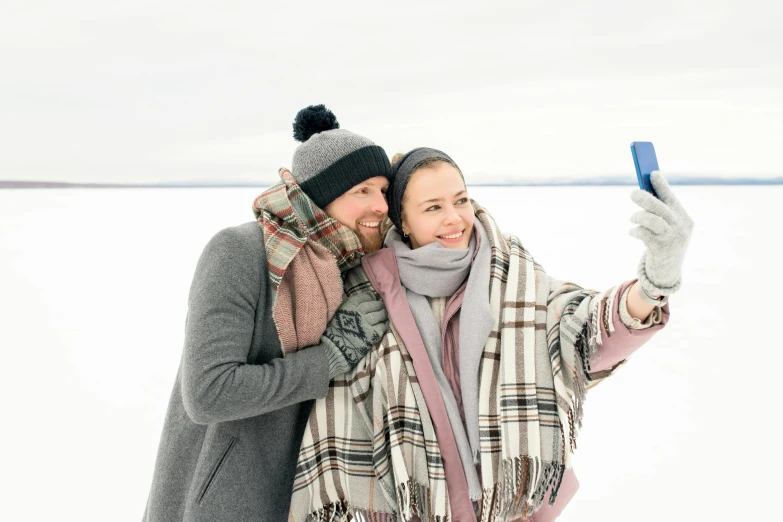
(645, 161)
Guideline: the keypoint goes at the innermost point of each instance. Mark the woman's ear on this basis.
(404, 228)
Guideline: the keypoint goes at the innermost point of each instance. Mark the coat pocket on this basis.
(216, 470)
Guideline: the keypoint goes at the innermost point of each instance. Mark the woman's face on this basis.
(436, 207)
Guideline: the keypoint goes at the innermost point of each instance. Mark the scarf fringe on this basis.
(517, 496)
(343, 511)
(586, 345)
(414, 498)
(337, 511)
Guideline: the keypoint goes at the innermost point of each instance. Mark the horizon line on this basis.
(559, 182)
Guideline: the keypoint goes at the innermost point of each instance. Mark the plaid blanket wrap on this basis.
(370, 451)
(302, 244)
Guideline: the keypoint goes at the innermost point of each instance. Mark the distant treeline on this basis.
(629, 181)
(599, 181)
(64, 185)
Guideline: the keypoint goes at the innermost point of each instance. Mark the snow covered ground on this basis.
(93, 290)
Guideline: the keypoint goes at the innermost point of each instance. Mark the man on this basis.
(254, 357)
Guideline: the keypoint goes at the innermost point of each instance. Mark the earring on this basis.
(405, 235)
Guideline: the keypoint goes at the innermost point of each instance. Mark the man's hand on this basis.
(665, 228)
(358, 324)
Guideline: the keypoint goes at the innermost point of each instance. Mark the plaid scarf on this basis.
(370, 451)
(302, 244)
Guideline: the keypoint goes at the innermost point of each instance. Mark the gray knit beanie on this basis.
(401, 174)
(331, 160)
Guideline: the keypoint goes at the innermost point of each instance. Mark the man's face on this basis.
(362, 209)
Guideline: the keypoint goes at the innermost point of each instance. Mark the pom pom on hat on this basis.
(312, 120)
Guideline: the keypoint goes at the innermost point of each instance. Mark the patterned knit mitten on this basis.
(357, 325)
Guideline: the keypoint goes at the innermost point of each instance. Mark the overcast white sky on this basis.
(149, 91)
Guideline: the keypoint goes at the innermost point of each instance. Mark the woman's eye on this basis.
(462, 201)
(432, 208)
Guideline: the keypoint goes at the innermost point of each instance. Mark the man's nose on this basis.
(379, 205)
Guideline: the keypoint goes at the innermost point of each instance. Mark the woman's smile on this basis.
(452, 237)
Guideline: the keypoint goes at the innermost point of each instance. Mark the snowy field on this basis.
(93, 290)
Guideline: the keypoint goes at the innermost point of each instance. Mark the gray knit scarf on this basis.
(437, 271)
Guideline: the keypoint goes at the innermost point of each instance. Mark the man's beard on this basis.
(371, 242)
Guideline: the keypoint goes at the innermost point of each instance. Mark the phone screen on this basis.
(645, 161)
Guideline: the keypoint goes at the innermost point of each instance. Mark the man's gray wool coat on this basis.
(238, 410)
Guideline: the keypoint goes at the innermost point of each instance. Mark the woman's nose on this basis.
(451, 216)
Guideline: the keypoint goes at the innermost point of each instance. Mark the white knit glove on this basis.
(665, 228)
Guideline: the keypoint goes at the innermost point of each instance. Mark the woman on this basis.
(468, 409)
